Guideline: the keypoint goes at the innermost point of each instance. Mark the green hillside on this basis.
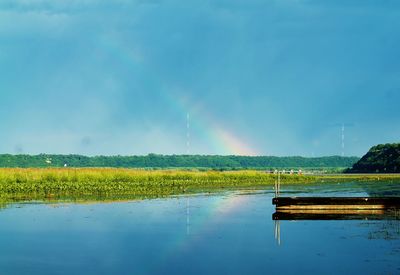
(382, 158)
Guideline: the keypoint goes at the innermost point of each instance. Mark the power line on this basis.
(342, 134)
(343, 140)
(187, 134)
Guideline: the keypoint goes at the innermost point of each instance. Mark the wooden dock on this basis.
(337, 215)
(336, 208)
(329, 203)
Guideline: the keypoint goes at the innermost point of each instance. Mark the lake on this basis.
(229, 232)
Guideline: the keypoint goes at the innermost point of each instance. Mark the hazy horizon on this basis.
(184, 154)
(276, 78)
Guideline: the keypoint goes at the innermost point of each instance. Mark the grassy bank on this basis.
(88, 182)
(360, 177)
(100, 181)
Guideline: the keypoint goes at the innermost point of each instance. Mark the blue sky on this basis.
(257, 77)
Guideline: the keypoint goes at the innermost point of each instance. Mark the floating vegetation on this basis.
(43, 183)
(38, 184)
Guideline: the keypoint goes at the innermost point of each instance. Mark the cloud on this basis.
(124, 142)
(18, 149)
(275, 70)
(15, 24)
(86, 141)
(71, 6)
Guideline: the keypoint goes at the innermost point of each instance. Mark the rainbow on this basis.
(218, 138)
(221, 207)
(221, 140)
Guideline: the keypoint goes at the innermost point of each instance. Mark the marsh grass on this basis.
(106, 181)
(360, 177)
(54, 183)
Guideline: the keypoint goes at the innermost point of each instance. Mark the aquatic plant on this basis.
(34, 183)
(86, 181)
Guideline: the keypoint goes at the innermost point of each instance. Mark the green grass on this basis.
(359, 177)
(37, 183)
(56, 183)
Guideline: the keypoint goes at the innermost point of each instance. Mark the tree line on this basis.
(174, 161)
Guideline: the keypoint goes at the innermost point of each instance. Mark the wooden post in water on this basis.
(279, 183)
(278, 231)
(187, 215)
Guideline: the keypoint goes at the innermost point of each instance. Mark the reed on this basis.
(87, 181)
(35, 183)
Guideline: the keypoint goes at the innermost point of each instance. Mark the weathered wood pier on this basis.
(333, 208)
(393, 214)
(337, 203)
(336, 208)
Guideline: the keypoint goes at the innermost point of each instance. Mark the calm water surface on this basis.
(225, 233)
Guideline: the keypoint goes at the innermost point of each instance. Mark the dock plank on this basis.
(337, 215)
(331, 203)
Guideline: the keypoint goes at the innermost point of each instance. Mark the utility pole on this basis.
(187, 134)
(343, 140)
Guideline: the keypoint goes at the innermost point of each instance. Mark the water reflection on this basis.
(352, 214)
(220, 233)
(382, 222)
(343, 189)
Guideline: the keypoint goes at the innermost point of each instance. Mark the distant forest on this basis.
(175, 161)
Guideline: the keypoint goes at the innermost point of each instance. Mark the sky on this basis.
(245, 77)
